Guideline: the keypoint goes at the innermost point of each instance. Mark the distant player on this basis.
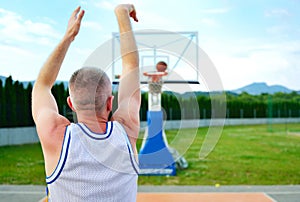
(95, 159)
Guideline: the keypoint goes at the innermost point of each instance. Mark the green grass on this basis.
(22, 164)
(244, 155)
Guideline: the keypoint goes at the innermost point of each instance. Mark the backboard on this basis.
(178, 49)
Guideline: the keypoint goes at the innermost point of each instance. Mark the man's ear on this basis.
(110, 103)
(69, 101)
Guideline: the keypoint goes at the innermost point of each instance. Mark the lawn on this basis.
(22, 164)
(244, 155)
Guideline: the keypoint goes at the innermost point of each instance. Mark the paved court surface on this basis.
(30, 193)
(271, 193)
(205, 197)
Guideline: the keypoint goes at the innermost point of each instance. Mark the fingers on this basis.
(132, 13)
(75, 12)
(80, 15)
(135, 18)
(131, 8)
(74, 23)
(128, 8)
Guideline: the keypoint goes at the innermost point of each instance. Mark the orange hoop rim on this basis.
(156, 74)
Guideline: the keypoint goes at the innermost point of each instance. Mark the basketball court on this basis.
(181, 52)
(289, 193)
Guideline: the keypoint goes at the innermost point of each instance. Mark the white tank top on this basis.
(94, 167)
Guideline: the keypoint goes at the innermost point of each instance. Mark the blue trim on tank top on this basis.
(61, 152)
(97, 138)
(65, 158)
(131, 160)
(130, 150)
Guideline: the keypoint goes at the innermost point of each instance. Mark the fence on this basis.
(238, 113)
(25, 135)
(22, 135)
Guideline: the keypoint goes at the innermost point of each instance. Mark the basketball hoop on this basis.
(155, 81)
(155, 75)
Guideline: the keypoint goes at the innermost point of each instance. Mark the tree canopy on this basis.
(15, 104)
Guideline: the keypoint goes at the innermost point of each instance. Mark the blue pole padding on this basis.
(155, 158)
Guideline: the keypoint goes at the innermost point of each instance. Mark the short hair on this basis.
(89, 89)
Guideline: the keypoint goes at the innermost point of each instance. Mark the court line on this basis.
(269, 197)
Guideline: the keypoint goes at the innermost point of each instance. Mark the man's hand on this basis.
(132, 12)
(74, 23)
(41, 96)
(129, 96)
(129, 8)
(49, 123)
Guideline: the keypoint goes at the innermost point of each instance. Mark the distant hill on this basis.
(252, 89)
(259, 88)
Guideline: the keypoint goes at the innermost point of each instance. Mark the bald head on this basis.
(89, 89)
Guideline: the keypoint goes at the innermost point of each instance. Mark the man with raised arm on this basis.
(94, 159)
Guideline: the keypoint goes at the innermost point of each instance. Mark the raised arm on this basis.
(129, 97)
(44, 107)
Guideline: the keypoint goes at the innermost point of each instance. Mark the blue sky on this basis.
(248, 41)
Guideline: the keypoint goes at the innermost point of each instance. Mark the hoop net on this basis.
(155, 81)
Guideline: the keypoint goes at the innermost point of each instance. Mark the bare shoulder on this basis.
(130, 122)
(131, 127)
(51, 127)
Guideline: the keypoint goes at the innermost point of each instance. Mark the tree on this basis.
(27, 105)
(20, 104)
(59, 93)
(10, 102)
(2, 107)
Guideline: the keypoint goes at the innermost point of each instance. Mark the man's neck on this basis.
(95, 122)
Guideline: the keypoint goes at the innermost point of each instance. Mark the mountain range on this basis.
(256, 88)
(259, 88)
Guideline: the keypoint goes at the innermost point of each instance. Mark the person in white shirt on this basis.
(96, 158)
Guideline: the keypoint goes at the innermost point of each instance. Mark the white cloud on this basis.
(83, 3)
(277, 29)
(281, 12)
(155, 20)
(21, 63)
(215, 11)
(17, 29)
(24, 64)
(41, 29)
(275, 63)
(110, 5)
(24, 44)
(92, 25)
(73, 61)
(208, 21)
